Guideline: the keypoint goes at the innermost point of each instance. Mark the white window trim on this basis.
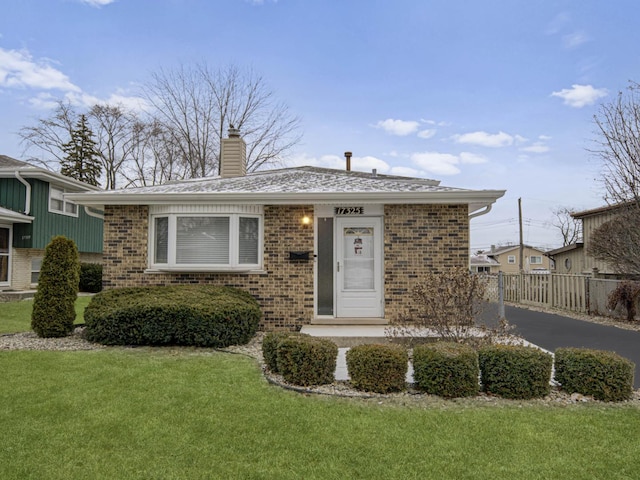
(9, 254)
(511, 259)
(65, 202)
(234, 244)
(536, 257)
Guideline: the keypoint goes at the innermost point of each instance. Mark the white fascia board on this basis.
(476, 199)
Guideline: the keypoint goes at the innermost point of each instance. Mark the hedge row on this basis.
(453, 370)
(193, 315)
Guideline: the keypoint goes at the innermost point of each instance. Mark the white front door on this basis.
(359, 267)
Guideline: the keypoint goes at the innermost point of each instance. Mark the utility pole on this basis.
(521, 244)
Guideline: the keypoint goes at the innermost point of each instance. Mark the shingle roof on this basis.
(295, 186)
(296, 180)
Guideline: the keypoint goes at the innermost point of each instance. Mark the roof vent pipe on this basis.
(347, 156)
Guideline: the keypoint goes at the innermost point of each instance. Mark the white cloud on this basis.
(574, 40)
(398, 127)
(545, 138)
(97, 3)
(405, 172)
(437, 163)
(579, 96)
(426, 133)
(19, 70)
(485, 139)
(537, 147)
(472, 158)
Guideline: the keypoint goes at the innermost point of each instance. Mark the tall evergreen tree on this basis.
(81, 159)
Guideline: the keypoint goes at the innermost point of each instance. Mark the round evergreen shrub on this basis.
(90, 277)
(604, 375)
(271, 344)
(190, 315)
(307, 360)
(53, 304)
(515, 371)
(446, 369)
(378, 368)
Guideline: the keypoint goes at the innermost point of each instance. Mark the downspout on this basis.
(486, 210)
(27, 201)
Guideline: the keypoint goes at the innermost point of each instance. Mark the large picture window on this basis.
(58, 204)
(206, 242)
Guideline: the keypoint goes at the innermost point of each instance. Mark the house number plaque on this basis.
(348, 211)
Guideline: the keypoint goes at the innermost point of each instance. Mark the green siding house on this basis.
(33, 209)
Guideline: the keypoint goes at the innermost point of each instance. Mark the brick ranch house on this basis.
(313, 245)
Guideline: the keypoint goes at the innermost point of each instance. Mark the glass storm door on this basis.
(5, 254)
(359, 267)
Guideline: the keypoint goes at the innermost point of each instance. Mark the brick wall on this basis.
(420, 239)
(284, 289)
(417, 239)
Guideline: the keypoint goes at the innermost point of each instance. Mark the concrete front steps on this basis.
(346, 336)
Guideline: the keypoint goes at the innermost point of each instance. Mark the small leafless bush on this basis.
(447, 304)
(626, 294)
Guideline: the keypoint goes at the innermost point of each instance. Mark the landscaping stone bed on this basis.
(410, 397)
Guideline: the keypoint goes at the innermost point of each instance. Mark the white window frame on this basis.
(234, 244)
(64, 201)
(511, 259)
(8, 254)
(536, 257)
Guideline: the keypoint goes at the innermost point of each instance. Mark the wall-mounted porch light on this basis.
(305, 220)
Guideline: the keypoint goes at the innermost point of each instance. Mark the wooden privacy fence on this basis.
(572, 293)
(565, 292)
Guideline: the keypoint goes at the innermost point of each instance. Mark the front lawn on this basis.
(16, 316)
(189, 413)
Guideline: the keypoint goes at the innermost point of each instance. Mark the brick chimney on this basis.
(233, 155)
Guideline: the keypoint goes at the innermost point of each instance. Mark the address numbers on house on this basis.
(348, 210)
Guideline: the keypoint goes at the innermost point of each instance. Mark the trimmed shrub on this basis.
(446, 369)
(271, 344)
(515, 371)
(307, 360)
(601, 374)
(90, 277)
(195, 315)
(53, 305)
(378, 368)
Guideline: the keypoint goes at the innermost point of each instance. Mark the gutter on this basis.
(486, 210)
(27, 201)
(93, 214)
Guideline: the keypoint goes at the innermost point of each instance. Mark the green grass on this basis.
(16, 316)
(192, 414)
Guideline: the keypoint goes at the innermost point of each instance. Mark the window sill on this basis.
(204, 270)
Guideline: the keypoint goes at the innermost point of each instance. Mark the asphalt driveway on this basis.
(550, 331)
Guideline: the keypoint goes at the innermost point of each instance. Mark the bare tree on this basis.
(618, 146)
(50, 134)
(617, 241)
(569, 227)
(196, 105)
(116, 131)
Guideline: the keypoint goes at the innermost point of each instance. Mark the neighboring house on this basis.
(313, 245)
(482, 263)
(508, 258)
(33, 209)
(574, 259)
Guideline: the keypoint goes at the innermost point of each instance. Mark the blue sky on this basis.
(483, 94)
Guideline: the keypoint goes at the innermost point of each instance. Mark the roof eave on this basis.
(476, 199)
(46, 175)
